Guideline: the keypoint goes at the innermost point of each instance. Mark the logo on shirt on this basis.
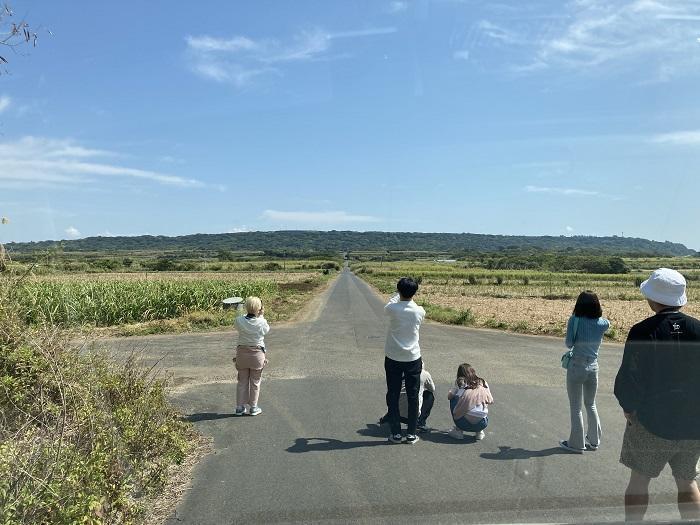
(676, 326)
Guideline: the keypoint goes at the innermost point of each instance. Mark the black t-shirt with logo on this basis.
(659, 378)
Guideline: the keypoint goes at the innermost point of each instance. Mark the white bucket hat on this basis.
(665, 286)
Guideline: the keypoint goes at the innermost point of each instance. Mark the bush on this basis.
(272, 266)
(82, 439)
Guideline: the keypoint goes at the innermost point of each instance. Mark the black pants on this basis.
(426, 407)
(409, 373)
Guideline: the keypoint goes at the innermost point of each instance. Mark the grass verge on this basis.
(82, 439)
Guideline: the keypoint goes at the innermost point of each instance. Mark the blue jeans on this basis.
(464, 424)
(582, 385)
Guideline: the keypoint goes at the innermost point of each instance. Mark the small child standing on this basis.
(469, 402)
(250, 355)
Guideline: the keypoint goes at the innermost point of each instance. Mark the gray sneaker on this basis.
(412, 438)
(254, 411)
(239, 411)
(395, 438)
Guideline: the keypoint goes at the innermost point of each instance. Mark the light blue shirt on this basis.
(588, 337)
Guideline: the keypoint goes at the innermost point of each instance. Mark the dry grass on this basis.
(542, 316)
(534, 302)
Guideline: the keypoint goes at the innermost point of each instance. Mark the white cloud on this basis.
(315, 217)
(239, 229)
(653, 39)
(4, 103)
(638, 33)
(37, 161)
(240, 60)
(73, 232)
(559, 191)
(678, 137)
(569, 229)
(462, 54)
(397, 7)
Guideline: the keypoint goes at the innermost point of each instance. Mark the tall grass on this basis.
(82, 439)
(80, 301)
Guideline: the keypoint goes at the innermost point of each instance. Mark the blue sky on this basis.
(557, 118)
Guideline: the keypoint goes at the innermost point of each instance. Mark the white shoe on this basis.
(479, 435)
(456, 433)
(254, 411)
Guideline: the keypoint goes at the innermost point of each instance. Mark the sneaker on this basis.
(395, 438)
(239, 411)
(565, 446)
(456, 433)
(479, 435)
(421, 427)
(590, 446)
(254, 411)
(412, 438)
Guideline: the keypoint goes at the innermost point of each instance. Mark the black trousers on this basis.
(396, 373)
(426, 408)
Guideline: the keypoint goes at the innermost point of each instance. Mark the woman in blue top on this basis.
(584, 333)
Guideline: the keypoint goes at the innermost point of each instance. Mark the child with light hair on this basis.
(250, 356)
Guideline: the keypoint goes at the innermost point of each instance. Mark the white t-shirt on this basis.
(251, 330)
(405, 318)
(426, 383)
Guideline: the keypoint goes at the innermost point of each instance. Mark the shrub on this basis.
(82, 439)
(526, 280)
(272, 266)
(638, 281)
(472, 279)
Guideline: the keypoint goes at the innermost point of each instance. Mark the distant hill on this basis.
(326, 241)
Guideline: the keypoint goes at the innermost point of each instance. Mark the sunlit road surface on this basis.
(315, 454)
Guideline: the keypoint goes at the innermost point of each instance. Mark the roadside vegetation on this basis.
(472, 292)
(139, 293)
(83, 439)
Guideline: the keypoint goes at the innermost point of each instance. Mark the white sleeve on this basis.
(429, 383)
(393, 300)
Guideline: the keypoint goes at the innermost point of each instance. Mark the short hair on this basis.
(588, 305)
(407, 287)
(253, 305)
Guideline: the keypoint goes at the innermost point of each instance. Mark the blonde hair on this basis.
(253, 305)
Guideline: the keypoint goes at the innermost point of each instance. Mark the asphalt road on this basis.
(315, 454)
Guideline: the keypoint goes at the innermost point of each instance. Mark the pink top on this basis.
(472, 403)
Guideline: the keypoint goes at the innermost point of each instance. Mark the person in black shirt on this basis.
(658, 387)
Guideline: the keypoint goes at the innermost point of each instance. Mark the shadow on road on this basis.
(327, 444)
(521, 453)
(205, 416)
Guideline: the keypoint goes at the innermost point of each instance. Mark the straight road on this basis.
(316, 454)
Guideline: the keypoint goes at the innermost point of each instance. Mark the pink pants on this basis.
(250, 361)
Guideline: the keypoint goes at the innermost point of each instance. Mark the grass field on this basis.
(142, 303)
(534, 302)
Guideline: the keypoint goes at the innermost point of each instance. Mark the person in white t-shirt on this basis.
(250, 356)
(402, 361)
(426, 400)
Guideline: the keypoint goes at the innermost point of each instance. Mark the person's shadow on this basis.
(204, 416)
(320, 444)
(521, 453)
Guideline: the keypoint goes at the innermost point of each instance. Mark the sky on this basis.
(503, 117)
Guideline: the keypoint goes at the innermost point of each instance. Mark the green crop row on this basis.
(79, 302)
